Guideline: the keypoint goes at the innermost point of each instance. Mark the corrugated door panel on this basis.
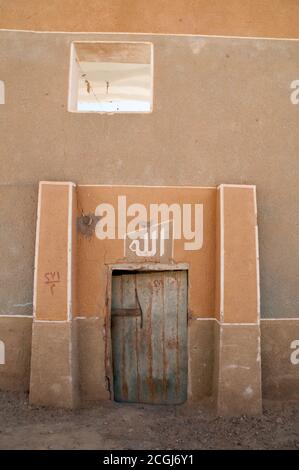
(150, 348)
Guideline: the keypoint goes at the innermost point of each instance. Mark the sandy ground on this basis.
(125, 426)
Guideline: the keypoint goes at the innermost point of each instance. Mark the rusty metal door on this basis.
(149, 337)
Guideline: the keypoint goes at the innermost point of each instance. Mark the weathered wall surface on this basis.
(15, 334)
(52, 237)
(279, 374)
(222, 113)
(202, 349)
(93, 254)
(93, 277)
(17, 236)
(105, 217)
(280, 359)
(266, 18)
(52, 380)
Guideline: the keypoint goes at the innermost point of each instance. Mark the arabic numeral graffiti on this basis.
(52, 279)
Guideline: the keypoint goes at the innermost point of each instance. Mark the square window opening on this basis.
(111, 77)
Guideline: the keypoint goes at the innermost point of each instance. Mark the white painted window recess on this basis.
(111, 77)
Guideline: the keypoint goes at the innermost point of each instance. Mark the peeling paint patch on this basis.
(248, 392)
(197, 45)
(86, 224)
(258, 356)
(235, 366)
(23, 305)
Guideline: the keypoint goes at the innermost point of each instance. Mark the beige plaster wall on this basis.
(280, 359)
(18, 204)
(15, 333)
(272, 18)
(222, 113)
(279, 375)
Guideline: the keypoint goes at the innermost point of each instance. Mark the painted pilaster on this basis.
(237, 358)
(53, 361)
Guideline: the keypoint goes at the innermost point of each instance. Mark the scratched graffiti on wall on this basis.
(52, 279)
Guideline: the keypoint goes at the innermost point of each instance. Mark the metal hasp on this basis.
(149, 337)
